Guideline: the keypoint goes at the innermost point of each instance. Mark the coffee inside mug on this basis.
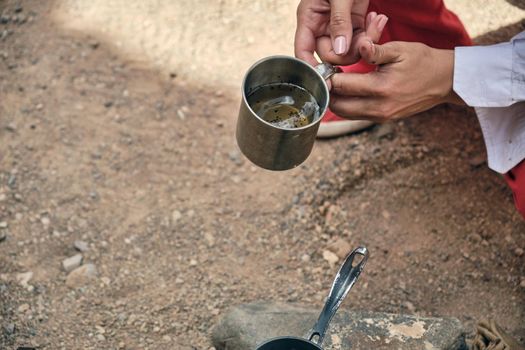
(287, 94)
(284, 105)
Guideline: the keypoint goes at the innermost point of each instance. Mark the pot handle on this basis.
(326, 70)
(343, 282)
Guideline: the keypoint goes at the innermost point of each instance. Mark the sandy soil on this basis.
(107, 139)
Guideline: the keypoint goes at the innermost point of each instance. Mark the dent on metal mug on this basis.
(270, 146)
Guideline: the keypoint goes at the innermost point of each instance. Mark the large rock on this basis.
(247, 325)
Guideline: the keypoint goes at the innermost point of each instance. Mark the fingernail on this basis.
(382, 23)
(340, 45)
(373, 15)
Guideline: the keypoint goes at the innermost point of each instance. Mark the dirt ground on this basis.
(139, 162)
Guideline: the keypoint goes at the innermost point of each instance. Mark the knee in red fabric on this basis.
(516, 181)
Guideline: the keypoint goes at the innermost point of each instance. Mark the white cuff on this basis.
(483, 75)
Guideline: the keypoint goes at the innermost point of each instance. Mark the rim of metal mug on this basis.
(245, 99)
(289, 337)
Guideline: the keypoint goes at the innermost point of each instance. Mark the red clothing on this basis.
(424, 21)
(516, 181)
(431, 23)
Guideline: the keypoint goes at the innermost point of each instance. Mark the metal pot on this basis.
(343, 282)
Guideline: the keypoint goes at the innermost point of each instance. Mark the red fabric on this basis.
(516, 181)
(425, 21)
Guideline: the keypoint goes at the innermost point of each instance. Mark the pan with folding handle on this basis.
(343, 282)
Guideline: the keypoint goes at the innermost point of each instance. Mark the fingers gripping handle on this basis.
(343, 282)
(326, 70)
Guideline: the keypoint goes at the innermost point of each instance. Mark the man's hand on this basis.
(410, 78)
(335, 29)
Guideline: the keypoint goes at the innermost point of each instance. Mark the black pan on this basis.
(343, 282)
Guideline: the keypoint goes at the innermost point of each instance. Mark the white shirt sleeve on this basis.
(492, 79)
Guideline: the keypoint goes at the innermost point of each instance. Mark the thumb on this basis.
(379, 54)
(341, 25)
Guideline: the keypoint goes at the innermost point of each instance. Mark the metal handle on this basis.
(343, 282)
(327, 70)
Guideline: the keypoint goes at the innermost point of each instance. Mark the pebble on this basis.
(10, 328)
(518, 252)
(72, 262)
(23, 308)
(176, 215)
(11, 127)
(385, 131)
(305, 258)
(3, 224)
(81, 246)
(81, 276)
(24, 278)
(476, 161)
(235, 156)
(331, 257)
(340, 247)
(45, 221)
(410, 306)
(522, 283)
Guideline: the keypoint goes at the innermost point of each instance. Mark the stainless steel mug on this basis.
(270, 146)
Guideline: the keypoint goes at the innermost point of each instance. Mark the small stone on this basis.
(385, 131)
(331, 257)
(410, 306)
(11, 182)
(305, 258)
(3, 197)
(39, 107)
(94, 44)
(518, 252)
(193, 262)
(3, 224)
(166, 338)
(476, 238)
(108, 104)
(72, 262)
(176, 216)
(81, 276)
(522, 283)
(23, 308)
(81, 246)
(24, 278)
(340, 247)
(100, 337)
(11, 127)
(235, 156)
(10, 328)
(45, 221)
(236, 179)
(476, 161)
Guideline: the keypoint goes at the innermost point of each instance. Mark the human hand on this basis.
(410, 78)
(335, 29)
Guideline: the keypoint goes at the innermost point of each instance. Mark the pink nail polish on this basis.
(382, 23)
(340, 45)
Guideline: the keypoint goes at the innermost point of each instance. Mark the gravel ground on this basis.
(135, 168)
